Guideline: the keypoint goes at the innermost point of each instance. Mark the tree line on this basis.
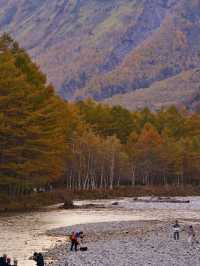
(86, 145)
(120, 147)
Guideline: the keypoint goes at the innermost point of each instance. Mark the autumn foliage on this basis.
(85, 145)
(32, 123)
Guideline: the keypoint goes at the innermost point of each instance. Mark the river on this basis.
(22, 234)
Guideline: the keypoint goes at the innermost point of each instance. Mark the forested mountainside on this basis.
(85, 145)
(180, 90)
(99, 49)
(167, 53)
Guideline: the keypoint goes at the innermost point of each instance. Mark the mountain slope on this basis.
(178, 90)
(173, 48)
(91, 36)
(99, 48)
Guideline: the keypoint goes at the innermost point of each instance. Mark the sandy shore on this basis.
(127, 243)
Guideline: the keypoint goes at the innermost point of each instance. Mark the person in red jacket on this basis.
(74, 241)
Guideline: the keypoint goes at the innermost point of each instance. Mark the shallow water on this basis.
(23, 234)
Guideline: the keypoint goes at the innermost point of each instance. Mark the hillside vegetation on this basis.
(167, 53)
(100, 49)
(180, 90)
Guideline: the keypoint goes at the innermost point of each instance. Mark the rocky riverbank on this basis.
(127, 243)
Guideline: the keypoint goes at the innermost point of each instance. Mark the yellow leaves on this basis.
(149, 136)
(32, 123)
(41, 136)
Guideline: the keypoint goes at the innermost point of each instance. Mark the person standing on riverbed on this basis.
(191, 235)
(176, 228)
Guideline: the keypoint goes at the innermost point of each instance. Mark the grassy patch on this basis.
(39, 200)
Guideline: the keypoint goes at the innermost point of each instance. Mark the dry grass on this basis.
(37, 201)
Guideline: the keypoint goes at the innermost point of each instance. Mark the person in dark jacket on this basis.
(3, 260)
(38, 257)
(176, 228)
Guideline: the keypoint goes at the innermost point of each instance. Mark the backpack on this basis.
(72, 237)
(83, 248)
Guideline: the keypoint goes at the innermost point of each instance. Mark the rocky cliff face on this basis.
(100, 48)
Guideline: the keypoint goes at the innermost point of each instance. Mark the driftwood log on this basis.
(69, 205)
(161, 200)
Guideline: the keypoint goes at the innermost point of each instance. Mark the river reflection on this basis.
(23, 234)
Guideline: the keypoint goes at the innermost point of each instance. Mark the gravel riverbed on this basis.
(138, 243)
